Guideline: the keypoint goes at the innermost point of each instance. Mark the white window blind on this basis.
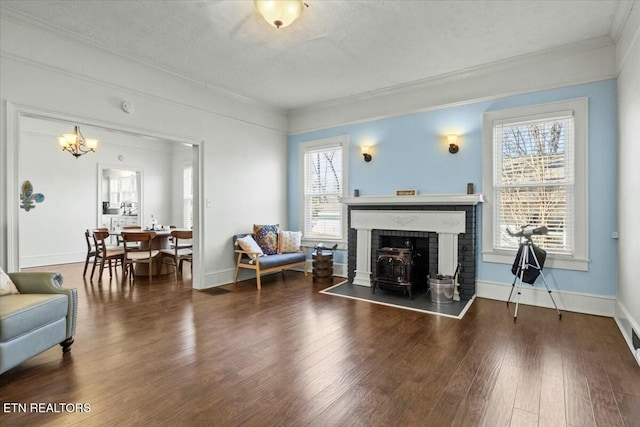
(534, 177)
(322, 189)
(188, 197)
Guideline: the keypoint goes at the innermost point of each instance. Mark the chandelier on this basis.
(280, 13)
(76, 144)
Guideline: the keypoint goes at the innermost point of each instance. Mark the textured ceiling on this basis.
(336, 49)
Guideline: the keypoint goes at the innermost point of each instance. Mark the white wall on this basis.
(243, 144)
(628, 301)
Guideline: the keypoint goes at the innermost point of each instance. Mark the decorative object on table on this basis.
(28, 198)
(470, 188)
(76, 144)
(406, 192)
(154, 223)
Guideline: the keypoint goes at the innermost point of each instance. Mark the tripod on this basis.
(528, 260)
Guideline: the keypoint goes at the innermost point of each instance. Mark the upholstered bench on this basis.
(42, 315)
(263, 264)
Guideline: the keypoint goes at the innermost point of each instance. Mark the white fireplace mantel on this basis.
(447, 224)
(423, 199)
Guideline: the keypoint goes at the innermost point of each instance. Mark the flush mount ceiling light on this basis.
(76, 144)
(280, 13)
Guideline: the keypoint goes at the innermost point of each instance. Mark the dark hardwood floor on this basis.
(161, 353)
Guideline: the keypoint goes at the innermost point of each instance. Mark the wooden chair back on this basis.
(137, 249)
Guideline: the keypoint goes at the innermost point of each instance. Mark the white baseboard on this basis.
(568, 301)
(225, 277)
(626, 323)
(52, 259)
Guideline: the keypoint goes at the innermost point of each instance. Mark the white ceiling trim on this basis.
(30, 22)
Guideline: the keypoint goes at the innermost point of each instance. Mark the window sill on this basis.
(552, 261)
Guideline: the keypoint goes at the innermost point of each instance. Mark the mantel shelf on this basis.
(426, 199)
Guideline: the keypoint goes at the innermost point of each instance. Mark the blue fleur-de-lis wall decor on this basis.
(28, 199)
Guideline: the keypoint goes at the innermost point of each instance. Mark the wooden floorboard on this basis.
(161, 353)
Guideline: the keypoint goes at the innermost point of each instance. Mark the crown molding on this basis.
(576, 63)
(30, 22)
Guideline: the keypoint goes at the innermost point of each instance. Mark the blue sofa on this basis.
(40, 317)
(268, 263)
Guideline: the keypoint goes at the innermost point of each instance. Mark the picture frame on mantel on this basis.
(406, 192)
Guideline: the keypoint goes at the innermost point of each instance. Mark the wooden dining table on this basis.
(160, 241)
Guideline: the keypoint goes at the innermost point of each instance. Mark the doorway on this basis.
(72, 193)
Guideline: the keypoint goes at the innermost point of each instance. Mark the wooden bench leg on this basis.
(258, 279)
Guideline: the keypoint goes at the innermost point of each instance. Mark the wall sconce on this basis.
(453, 146)
(366, 153)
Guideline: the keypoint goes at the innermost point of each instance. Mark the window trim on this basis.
(303, 148)
(580, 259)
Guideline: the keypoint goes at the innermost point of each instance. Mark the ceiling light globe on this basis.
(280, 13)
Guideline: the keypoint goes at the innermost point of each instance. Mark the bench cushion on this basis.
(20, 314)
(278, 259)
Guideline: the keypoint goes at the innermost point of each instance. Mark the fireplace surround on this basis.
(448, 220)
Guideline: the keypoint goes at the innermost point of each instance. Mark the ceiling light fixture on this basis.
(280, 13)
(76, 144)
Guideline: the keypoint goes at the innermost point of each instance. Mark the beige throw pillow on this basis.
(289, 241)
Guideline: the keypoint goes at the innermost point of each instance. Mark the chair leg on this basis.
(258, 279)
(86, 264)
(235, 278)
(101, 270)
(95, 260)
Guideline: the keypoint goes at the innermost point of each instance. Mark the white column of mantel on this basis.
(447, 253)
(363, 258)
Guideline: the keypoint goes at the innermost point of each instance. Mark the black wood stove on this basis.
(395, 269)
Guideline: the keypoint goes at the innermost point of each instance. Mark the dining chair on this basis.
(127, 227)
(181, 250)
(105, 253)
(138, 250)
(91, 248)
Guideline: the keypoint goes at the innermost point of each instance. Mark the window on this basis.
(535, 173)
(187, 193)
(323, 184)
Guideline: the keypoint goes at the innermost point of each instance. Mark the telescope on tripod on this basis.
(528, 263)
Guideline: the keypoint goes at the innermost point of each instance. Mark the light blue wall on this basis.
(410, 151)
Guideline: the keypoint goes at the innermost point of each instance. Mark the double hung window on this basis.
(535, 174)
(323, 174)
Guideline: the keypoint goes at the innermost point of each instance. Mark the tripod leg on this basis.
(524, 260)
(551, 296)
(515, 277)
(545, 284)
